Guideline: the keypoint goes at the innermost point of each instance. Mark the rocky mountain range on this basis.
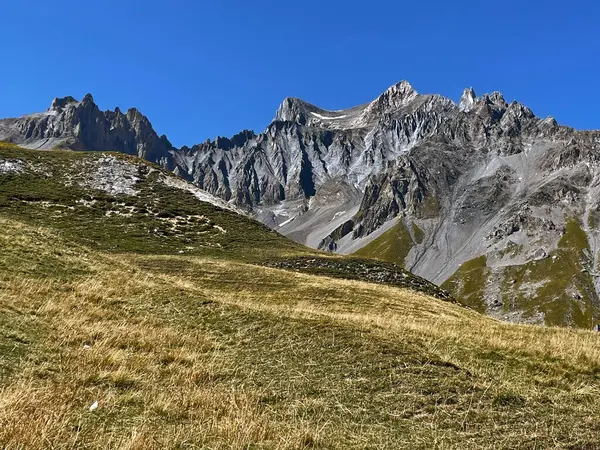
(75, 125)
(498, 206)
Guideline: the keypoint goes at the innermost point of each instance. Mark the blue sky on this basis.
(201, 68)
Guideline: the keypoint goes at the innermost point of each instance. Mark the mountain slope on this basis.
(111, 340)
(119, 203)
(483, 180)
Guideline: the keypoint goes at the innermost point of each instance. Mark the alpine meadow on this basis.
(369, 225)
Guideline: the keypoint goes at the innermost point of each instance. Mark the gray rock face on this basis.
(82, 126)
(467, 100)
(501, 206)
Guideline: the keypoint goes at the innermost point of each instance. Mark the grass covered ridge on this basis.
(60, 189)
(394, 245)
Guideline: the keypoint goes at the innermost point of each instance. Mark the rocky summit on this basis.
(496, 205)
(75, 125)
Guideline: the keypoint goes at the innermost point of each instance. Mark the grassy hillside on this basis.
(393, 245)
(211, 349)
(117, 203)
(468, 283)
(559, 287)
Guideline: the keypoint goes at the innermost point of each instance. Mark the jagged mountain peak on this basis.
(495, 108)
(402, 89)
(293, 109)
(395, 97)
(60, 102)
(237, 140)
(520, 109)
(134, 115)
(76, 125)
(89, 98)
(496, 98)
(549, 122)
(468, 99)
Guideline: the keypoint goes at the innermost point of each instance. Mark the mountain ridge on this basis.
(479, 178)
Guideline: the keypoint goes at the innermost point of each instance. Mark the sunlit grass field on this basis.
(113, 344)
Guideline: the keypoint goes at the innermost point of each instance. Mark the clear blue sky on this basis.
(202, 68)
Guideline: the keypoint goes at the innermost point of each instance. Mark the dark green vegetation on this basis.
(362, 270)
(393, 245)
(468, 283)
(211, 349)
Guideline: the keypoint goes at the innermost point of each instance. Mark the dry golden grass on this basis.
(138, 369)
(192, 352)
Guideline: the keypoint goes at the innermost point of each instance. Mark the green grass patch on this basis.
(467, 284)
(393, 245)
(418, 234)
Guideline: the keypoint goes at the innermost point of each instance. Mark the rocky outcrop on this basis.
(362, 270)
(82, 126)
